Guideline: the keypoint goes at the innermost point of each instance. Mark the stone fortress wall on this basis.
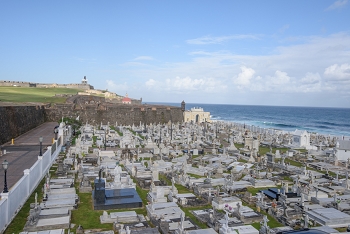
(114, 113)
(16, 120)
(43, 85)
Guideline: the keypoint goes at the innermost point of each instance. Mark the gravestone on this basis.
(100, 188)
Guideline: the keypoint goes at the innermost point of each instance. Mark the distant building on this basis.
(301, 139)
(126, 100)
(84, 81)
(342, 150)
(197, 115)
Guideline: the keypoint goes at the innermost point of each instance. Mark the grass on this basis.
(119, 133)
(195, 176)
(272, 223)
(180, 188)
(264, 149)
(136, 134)
(89, 218)
(293, 163)
(86, 216)
(187, 210)
(26, 94)
(17, 224)
(188, 213)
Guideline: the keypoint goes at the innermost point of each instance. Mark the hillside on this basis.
(38, 95)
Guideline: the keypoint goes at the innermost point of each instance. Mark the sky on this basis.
(272, 52)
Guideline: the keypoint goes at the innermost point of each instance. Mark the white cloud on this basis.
(311, 78)
(244, 76)
(309, 65)
(187, 84)
(115, 87)
(150, 83)
(311, 83)
(280, 78)
(208, 85)
(338, 72)
(337, 4)
(217, 40)
(143, 58)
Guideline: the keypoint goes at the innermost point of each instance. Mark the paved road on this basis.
(24, 153)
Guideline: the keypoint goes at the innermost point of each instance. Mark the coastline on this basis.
(261, 130)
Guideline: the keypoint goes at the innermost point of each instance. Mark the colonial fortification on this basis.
(104, 108)
(95, 110)
(16, 120)
(83, 85)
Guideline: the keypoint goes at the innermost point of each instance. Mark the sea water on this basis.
(322, 120)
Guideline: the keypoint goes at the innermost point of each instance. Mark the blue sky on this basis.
(233, 52)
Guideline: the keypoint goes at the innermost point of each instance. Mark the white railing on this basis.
(13, 201)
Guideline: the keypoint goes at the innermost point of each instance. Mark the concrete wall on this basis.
(13, 201)
(16, 120)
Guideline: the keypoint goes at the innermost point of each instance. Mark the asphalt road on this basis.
(24, 153)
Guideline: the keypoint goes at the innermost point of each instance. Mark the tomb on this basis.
(105, 199)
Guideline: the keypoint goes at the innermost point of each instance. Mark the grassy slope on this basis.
(24, 94)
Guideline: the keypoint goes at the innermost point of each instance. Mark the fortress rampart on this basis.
(43, 85)
(112, 113)
(16, 120)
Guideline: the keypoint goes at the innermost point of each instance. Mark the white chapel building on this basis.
(301, 139)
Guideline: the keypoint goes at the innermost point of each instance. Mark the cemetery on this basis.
(208, 177)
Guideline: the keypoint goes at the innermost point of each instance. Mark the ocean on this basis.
(322, 120)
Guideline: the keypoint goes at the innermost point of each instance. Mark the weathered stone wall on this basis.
(16, 83)
(16, 120)
(43, 85)
(122, 114)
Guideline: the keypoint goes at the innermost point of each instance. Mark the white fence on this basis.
(13, 201)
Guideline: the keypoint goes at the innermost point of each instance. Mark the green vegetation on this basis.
(195, 176)
(265, 149)
(136, 134)
(86, 216)
(94, 139)
(254, 191)
(119, 133)
(17, 224)
(43, 95)
(182, 189)
(287, 178)
(272, 223)
(188, 213)
(293, 163)
(242, 160)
